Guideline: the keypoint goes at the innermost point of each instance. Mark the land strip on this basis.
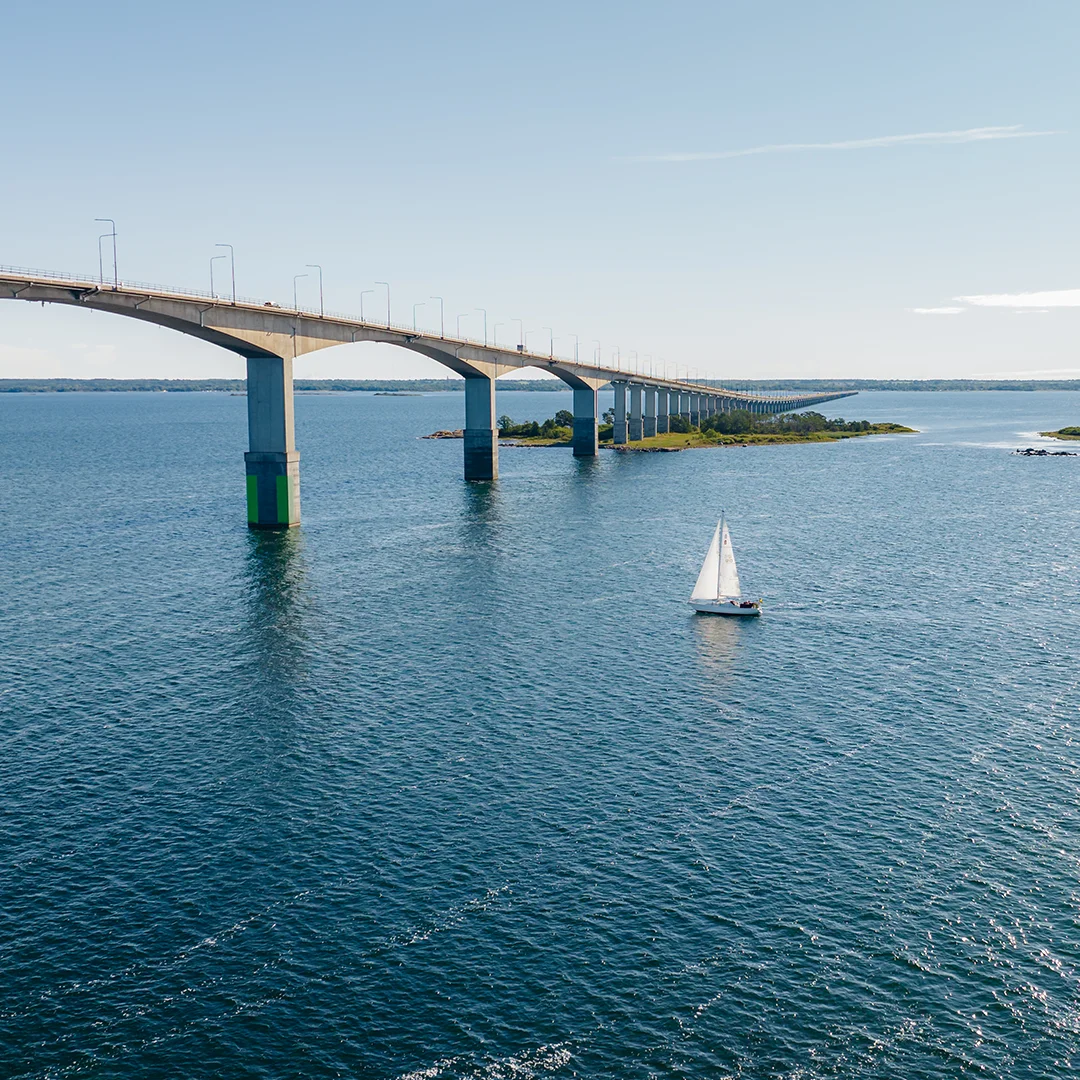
(28, 386)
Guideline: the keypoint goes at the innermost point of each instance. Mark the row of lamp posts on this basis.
(523, 334)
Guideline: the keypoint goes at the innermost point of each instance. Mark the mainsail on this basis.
(709, 578)
(728, 575)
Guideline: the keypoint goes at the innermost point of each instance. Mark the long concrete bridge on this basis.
(271, 337)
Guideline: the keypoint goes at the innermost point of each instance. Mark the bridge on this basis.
(271, 337)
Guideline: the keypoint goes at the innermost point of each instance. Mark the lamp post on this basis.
(442, 323)
(414, 307)
(598, 354)
(521, 334)
(463, 315)
(495, 335)
(618, 359)
(316, 266)
(214, 259)
(100, 260)
(484, 310)
(575, 337)
(115, 275)
(633, 353)
(387, 284)
(551, 342)
(363, 293)
(295, 302)
(232, 267)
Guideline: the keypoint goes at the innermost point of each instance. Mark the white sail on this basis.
(709, 579)
(728, 573)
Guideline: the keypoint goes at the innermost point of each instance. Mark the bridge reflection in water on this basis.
(271, 337)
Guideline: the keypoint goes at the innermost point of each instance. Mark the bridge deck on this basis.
(223, 321)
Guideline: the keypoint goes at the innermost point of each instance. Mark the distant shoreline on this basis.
(398, 386)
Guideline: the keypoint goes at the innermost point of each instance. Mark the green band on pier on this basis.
(283, 500)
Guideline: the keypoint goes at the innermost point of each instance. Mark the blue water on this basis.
(450, 783)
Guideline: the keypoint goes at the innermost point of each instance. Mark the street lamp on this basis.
(463, 315)
(618, 359)
(232, 266)
(633, 353)
(116, 280)
(295, 302)
(214, 259)
(495, 335)
(521, 334)
(100, 260)
(551, 342)
(484, 310)
(363, 293)
(575, 337)
(316, 266)
(387, 284)
(414, 307)
(597, 354)
(442, 326)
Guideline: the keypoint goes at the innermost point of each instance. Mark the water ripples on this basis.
(450, 784)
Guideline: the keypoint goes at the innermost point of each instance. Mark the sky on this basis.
(766, 190)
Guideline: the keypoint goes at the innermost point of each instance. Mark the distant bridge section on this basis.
(271, 337)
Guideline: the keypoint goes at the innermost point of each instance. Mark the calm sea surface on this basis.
(451, 783)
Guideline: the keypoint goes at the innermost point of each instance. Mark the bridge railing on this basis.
(96, 280)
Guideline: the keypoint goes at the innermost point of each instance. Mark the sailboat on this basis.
(717, 591)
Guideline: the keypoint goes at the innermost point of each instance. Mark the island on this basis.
(1062, 433)
(737, 428)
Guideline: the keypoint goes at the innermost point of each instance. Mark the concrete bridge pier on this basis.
(684, 406)
(635, 413)
(586, 443)
(661, 412)
(648, 428)
(481, 432)
(272, 463)
(695, 410)
(618, 434)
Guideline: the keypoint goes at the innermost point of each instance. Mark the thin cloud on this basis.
(1059, 298)
(938, 310)
(923, 138)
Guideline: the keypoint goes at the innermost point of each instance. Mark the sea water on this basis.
(451, 782)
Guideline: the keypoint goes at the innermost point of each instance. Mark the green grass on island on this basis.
(738, 428)
(1063, 433)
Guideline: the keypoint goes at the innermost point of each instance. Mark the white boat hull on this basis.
(727, 607)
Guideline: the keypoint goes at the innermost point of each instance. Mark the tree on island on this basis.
(557, 427)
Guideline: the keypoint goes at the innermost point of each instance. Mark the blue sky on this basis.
(578, 165)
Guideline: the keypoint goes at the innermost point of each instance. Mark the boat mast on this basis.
(720, 554)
